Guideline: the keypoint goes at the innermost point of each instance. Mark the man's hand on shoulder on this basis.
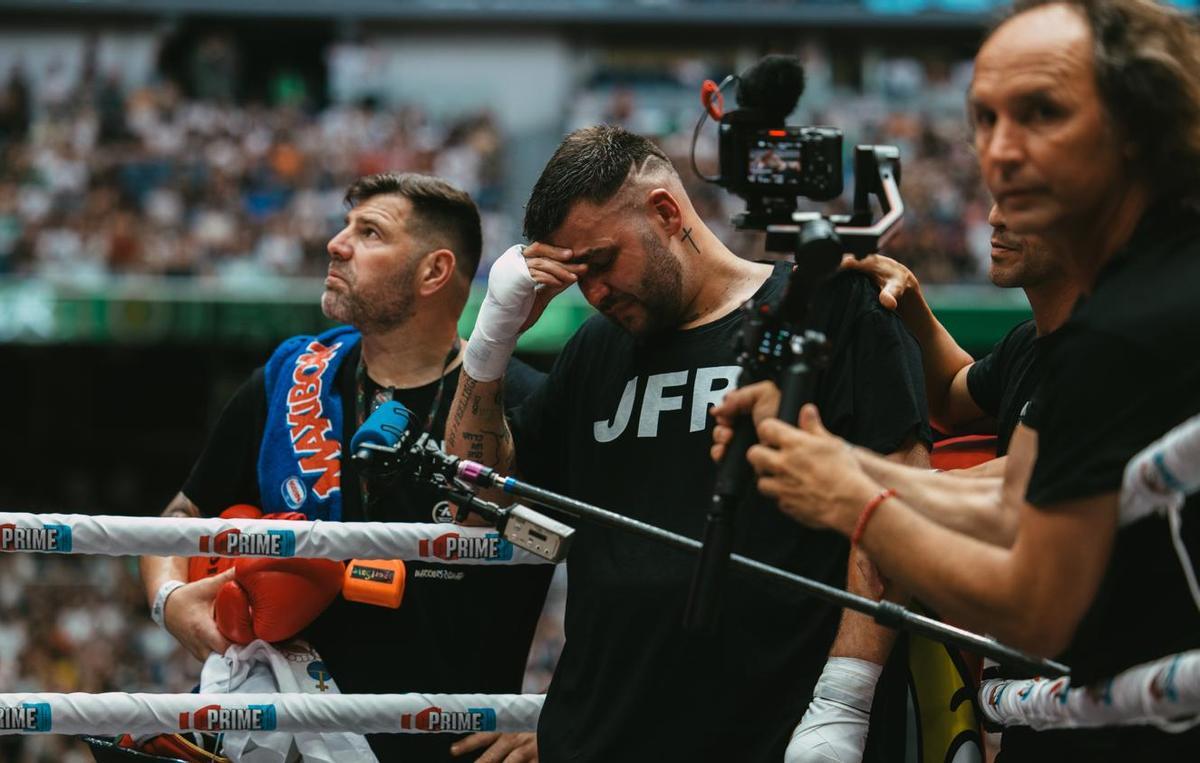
(188, 616)
(893, 279)
(501, 748)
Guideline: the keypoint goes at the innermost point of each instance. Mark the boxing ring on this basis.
(1165, 693)
(116, 713)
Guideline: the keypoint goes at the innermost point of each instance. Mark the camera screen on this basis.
(775, 160)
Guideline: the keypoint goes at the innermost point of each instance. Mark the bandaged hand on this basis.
(834, 728)
(521, 283)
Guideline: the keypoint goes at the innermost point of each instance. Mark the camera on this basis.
(784, 161)
(768, 163)
(771, 165)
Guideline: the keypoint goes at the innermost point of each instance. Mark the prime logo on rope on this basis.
(225, 718)
(27, 716)
(436, 719)
(455, 546)
(45, 538)
(235, 542)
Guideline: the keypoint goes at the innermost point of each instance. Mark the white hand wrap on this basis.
(509, 299)
(834, 728)
(158, 610)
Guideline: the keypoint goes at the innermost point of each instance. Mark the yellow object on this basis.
(942, 689)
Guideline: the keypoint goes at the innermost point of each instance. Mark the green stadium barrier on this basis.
(144, 311)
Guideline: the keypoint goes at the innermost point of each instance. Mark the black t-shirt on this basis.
(623, 424)
(459, 629)
(1119, 375)
(1002, 382)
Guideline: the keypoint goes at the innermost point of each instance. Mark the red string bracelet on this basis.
(867, 511)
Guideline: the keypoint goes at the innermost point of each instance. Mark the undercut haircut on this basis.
(442, 215)
(591, 164)
(1146, 57)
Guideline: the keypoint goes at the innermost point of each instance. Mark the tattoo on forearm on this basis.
(475, 445)
(465, 394)
(477, 449)
(687, 236)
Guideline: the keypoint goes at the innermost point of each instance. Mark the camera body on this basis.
(760, 160)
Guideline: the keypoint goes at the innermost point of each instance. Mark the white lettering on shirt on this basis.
(606, 431)
(655, 402)
(708, 388)
(705, 393)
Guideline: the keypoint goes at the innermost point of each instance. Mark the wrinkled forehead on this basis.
(590, 226)
(387, 209)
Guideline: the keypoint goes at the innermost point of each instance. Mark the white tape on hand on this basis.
(834, 728)
(509, 299)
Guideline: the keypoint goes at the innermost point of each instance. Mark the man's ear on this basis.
(435, 270)
(664, 211)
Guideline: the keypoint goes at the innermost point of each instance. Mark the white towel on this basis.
(290, 667)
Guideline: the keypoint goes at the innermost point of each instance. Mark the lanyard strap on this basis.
(366, 404)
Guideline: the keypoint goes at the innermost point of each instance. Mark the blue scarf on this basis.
(300, 460)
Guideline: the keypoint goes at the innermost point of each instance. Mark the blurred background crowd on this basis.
(182, 178)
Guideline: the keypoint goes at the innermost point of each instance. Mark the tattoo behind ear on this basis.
(687, 236)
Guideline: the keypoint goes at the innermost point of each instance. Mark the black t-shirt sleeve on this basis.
(1093, 412)
(985, 381)
(990, 377)
(889, 383)
(227, 471)
(520, 381)
(873, 393)
(537, 423)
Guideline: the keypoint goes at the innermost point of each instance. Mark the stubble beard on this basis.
(375, 309)
(662, 289)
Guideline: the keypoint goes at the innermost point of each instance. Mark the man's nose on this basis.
(593, 288)
(339, 246)
(1006, 145)
(995, 219)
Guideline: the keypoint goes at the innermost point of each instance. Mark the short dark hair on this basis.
(441, 214)
(591, 164)
(1147, 62)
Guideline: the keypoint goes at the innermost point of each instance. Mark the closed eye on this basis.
(598, 259)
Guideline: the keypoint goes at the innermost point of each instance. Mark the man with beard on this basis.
(399, 275)
(622, 422)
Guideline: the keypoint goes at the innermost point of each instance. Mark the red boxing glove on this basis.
(292, 516)
(200, 567)
(274, 599)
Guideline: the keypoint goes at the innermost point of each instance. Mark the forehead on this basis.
(593, 226)
(383, 209)
(1046, 47)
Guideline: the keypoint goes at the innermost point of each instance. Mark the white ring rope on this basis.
(184, 536)
(1164, 693)
(118, 713)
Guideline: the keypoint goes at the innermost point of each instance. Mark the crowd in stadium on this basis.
(148, 182)
(96, 180)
